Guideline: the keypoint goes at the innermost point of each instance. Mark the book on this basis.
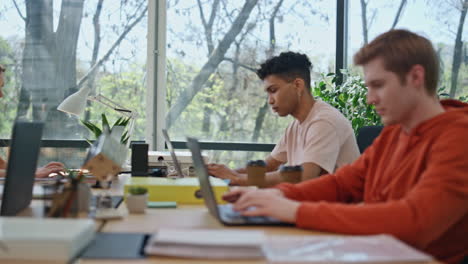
(341, 249)
(46, 240)
(207, 244)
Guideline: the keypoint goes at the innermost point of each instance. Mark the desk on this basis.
(185, 216)
(194, 216)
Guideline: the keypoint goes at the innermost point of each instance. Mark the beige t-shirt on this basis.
(325, 138)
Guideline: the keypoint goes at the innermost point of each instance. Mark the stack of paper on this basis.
(47, 240)
(203, 243)
(341, 249)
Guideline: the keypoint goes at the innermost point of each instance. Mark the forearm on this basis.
(319, 189)
(2, 173)
(241, 170)
(272, 178)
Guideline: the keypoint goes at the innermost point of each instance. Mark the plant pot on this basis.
(136, 204)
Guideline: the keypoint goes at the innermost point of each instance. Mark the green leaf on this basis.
(93, 128)
(105, 123)
(125, 137)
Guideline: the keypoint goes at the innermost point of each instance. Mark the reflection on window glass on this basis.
(53, 48)
(72, 158)
(212, 90)
(234, 159)
(440, 21)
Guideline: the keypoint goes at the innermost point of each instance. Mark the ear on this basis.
(299, 85)
(416, 76)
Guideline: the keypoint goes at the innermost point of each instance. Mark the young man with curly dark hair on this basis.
(320, 138)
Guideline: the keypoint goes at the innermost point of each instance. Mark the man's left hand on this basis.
(267, 202)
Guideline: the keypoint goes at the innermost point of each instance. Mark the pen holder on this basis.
(83, 199)
(70, 197)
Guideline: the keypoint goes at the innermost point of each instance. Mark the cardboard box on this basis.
(180, 190)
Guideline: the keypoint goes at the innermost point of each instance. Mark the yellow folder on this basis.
(180, 190)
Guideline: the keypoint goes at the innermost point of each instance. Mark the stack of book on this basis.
(203, 243)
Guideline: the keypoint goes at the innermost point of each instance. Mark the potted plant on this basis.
(136, 199)
(119, 127)
(121, 123)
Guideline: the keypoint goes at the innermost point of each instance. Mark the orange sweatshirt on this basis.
(414, 187)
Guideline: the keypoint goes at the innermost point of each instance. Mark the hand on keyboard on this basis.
(267, 202)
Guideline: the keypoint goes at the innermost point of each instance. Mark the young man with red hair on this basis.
(412, 182)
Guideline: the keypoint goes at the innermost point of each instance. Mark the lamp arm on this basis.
(117, 107)
(132, 115)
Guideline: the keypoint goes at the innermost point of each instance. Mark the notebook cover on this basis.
(116, 246)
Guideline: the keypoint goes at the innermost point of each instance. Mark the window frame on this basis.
(156, 84)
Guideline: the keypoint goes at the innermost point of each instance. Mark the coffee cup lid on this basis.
(260, 163)
(291, 168)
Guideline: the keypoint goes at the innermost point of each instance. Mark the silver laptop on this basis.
(223, 212)
(22, 161)
(175, 161)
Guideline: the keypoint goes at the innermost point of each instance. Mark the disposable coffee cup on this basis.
(291, 174)
(256, 170)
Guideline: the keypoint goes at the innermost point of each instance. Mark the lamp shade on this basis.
(75, 103)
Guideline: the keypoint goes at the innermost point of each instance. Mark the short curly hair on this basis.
(288, 66)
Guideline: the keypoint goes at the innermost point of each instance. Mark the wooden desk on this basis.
(185, 216)
(182, 217)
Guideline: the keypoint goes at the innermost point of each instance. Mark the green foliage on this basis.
(463, 99)
(74, 175)
(105, 126)
(137, 190)
(349, 98)
(9, 104)
(127, 88)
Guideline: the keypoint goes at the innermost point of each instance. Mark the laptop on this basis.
(223, 212)
(175, 161)
(22, 163)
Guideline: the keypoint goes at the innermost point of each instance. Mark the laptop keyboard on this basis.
(232, 216)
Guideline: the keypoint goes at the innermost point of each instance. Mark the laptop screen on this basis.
(202, 174)
(22, 163)
(173, 155)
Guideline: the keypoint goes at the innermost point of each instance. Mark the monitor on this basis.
(21, 167)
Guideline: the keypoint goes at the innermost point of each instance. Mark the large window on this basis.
(52, 48)
(442, 22)
(210, 50)
(213, 50)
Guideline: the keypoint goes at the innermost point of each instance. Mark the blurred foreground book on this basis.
(341, 249)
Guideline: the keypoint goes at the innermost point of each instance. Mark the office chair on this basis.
(366, 136)
(465, 260)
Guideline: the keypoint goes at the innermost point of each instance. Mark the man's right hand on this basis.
(236, 192)
(223, 172)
